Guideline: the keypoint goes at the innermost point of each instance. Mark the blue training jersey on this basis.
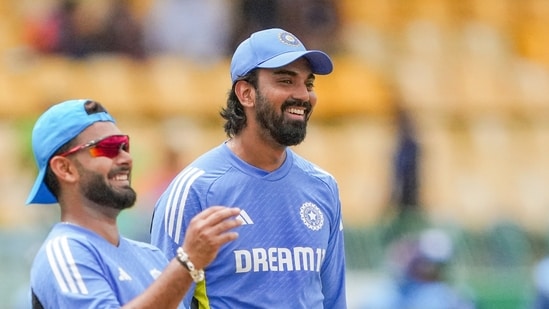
(77, 268)
(289, 253)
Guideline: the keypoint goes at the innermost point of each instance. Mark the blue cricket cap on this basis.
(274, 48)
(54, 128)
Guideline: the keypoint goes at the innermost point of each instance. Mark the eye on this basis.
(125, 147)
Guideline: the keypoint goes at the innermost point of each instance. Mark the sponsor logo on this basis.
(279, 259)
(245, 218)
(155, 273)
(123, 275)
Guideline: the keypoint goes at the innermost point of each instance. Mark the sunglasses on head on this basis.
(108, 146)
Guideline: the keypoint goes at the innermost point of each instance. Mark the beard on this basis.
(96, 189)
(284, 131)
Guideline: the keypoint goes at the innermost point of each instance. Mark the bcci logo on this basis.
(288, 39)
(311, 216)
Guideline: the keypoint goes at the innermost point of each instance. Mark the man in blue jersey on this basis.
(290, 251)
(84, 165)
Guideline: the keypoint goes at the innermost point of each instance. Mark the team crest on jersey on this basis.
(311, 216)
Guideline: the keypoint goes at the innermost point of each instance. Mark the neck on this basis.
(101, 222)
(258, 153)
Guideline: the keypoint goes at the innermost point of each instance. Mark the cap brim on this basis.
(40, 194)
(320, 62)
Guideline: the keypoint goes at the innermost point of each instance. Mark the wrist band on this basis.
(183, 258)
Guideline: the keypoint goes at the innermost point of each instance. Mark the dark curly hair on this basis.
(50, 179)
(233, 113)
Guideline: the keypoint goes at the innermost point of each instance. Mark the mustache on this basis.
(119, 170)
(297, 103)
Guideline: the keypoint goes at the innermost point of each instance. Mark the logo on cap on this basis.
(288, 39)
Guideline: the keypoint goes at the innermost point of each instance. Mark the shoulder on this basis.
(63, 254)
(67, 243)
(139, 245)
(215, 160)
(311, 168)
(69, 236)
(206, 168)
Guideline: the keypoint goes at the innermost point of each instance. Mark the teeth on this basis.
(121, 177)
(296, 111)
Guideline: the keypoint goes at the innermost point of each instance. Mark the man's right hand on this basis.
(208, 231)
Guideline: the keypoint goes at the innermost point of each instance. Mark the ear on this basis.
(64, 169)
(245, 93)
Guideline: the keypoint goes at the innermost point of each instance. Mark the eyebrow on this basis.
(292, 73)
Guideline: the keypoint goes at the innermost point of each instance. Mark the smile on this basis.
(296, 111)
(121, 177)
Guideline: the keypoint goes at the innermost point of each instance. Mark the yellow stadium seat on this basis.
(351, 89)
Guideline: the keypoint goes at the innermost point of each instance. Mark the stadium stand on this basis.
(473, 74)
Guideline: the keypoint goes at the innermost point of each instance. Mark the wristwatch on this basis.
(183, 258)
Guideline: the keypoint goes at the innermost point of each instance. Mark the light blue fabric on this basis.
(289, 253)
(76, 268)
(274, 48)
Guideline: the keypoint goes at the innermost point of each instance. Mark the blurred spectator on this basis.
(79, 28)
(254, 15)
(317, 23)
(406, 165)
(198, 30)
(420, 266)
(408, 216)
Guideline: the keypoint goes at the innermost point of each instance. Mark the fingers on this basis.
(216, 219)
(208, 231)
(227, 237)
(212, 225)
(215, 214)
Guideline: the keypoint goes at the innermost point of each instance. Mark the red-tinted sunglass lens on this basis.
(111, 146)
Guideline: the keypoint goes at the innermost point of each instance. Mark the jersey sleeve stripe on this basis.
(63, 266)
(184, 198)
(72, 266)
(170, 207)
(55, 268)
(174, 213)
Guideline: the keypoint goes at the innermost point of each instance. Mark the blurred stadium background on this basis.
(472, 76)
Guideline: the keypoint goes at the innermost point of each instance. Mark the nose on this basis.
(124, 156)
(302, 93)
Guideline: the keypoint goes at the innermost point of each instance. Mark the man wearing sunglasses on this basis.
(289, 253)
(85, 166)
